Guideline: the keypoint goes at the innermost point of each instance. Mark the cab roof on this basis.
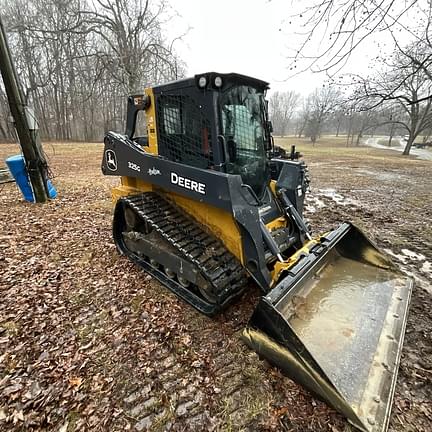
(232, 78)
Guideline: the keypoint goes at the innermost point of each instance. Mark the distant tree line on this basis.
(394, 100)
(78, 60)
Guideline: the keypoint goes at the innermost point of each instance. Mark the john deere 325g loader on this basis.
(206, 202)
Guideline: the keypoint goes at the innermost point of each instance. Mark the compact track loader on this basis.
(207, 202)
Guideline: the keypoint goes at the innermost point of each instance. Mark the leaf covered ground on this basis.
(90, 342)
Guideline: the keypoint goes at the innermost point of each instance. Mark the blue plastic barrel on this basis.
(52, 193)
(18, 170)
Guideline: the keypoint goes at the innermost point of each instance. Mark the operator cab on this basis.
(216, 121)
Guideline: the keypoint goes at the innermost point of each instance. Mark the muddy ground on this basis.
(89, 342)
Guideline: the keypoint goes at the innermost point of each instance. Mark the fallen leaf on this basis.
(75, 382)
(12, 389)
(18, 416)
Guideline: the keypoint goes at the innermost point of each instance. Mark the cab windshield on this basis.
(243, 120)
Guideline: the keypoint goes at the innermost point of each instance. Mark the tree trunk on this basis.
(313, 139)
(391, 134)
(408, 146)
(338, 125)
(349, 131)
(302, 127)
(3, 134)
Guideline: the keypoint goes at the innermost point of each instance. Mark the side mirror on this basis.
(135, 104)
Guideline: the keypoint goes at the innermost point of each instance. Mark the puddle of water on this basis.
(413, 255)
(399, 145)
(398, 257)
(330, 193)
(426, 268)
(337, 197)
(406, 266)
(319, 203)
(313, 203)
(314, 200)
(381, 175)
(326, 314)
(339, 315)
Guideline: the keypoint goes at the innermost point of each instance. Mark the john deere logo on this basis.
(111, 160)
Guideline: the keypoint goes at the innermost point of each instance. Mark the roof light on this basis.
(202, 82)
(218, 81)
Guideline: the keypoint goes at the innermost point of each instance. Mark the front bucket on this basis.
(336, 323)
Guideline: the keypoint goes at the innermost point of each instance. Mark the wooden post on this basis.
(28, 135)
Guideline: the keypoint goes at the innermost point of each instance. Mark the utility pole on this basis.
(25, 122)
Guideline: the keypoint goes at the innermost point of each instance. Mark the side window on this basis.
(173, 123)
(183, 131)
(141, 124)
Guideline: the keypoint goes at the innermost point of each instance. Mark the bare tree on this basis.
(282, 106)
(361, 122)
(4, 110)
(135, 50)
(80, 59)
(338, 119)
(340, 27)
(323, 102)
(304, 115)
(411, 97)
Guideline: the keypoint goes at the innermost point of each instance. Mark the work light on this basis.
(202, 82)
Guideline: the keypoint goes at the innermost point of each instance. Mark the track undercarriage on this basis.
(176, 250)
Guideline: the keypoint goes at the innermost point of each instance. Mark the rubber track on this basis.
(216, 264)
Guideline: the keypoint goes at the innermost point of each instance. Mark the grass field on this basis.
(90, 342)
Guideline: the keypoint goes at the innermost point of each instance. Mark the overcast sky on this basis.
(250, 37)
(238, 36)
